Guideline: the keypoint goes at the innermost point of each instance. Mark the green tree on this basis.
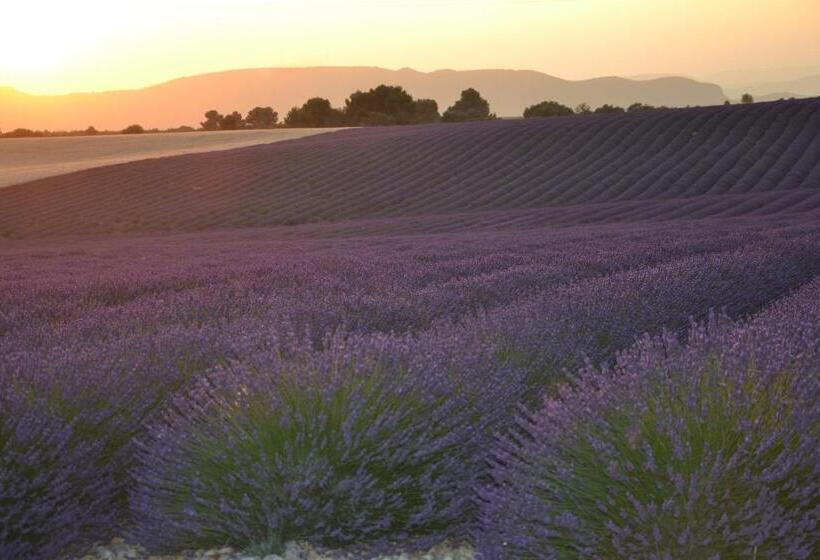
(607, 108)
(384, 105)
(637, 107)
(426, 111)
(22, 133)
(583, 109)
(314, 113)
(213, 120)
(747, 98)
(232, 121)
(470, 107)
(262, 117)
(547, 109)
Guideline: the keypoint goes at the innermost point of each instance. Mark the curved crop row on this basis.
(704, 450)
(122, 335)
(733, 155)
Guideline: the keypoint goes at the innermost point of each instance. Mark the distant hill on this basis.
(184, 100)
(807, 86)
(778, 95)
(755, 159)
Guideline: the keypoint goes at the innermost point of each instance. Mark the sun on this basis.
(39, 37)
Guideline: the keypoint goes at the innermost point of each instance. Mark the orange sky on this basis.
(90, 45)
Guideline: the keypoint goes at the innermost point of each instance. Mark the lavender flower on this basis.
(708, 449)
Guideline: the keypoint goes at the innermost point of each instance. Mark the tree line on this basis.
(380, 106)
(90, 131)
(556, 109)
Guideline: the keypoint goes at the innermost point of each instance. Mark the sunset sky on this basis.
(91, 45)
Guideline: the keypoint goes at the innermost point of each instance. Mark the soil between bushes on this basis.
(118, 549)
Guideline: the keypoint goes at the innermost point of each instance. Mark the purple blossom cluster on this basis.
(51, 499)
(708, 449)
(239, 388)
(361, 443)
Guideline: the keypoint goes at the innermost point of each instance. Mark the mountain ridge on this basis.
(183, 100)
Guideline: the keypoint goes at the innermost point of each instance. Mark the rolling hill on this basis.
(170, 104)
(807, 86)
(754, 159)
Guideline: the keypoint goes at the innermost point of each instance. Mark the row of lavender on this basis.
(289, 393)
(709, 449)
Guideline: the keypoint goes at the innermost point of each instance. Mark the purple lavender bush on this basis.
(53, 496)
(592, 319)
(346, 448)
(703, 450)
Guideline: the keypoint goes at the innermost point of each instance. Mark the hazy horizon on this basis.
(729, 80)
(81, 46)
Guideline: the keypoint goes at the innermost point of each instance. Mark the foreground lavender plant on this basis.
(106, 333)
(53, 498)
(708, 450)
(341, 449)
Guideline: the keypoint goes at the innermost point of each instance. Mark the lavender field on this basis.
(27, 159)
(545, 372)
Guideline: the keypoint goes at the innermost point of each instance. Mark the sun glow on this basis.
(40, 40)
(59, 46)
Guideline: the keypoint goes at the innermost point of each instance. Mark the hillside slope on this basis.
(736, 160)
(183, 101)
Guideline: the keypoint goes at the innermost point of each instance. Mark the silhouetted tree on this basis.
(747, 98)
(91, 131)
(385, 105)
(232, 121)
(23, 133)
(314, 113)
(547, 109)
(470, 107)
(637, 107)
(133, 129)
(426, 111)
(262, 117)
(212, 121)
(607, 108)
(727, 102)
(583, 109)
(380, 105)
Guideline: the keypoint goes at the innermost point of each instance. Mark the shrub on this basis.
(23, 133)
(470, 107)
(703, 451)
(343, 450)
(53, 494)
(133, 129)
(315, 112)
(232, 121)
(547, 109)
(609, 109)
(583, 109)
(388, 105)
(212, 120)
(262, 117)
(425, 111)
(380, 105)
(638, 107)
